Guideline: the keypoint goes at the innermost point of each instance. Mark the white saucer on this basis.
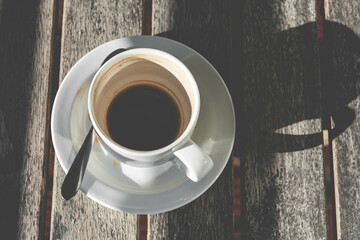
(142, 190)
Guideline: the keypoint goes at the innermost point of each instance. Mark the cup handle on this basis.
(193, 161)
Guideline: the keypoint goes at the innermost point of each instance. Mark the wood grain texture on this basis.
(204, 26)
(87, 24)
(282, 174)
(343, 33)
(25, 56)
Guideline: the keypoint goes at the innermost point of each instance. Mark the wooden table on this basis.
(293, 69)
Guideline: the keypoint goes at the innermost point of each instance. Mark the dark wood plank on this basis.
(343, 33)
(87, 24)
(280, 145)
(1, 4)
(25, 57)
(205, 27)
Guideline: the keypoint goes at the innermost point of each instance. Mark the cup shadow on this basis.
(292, 89)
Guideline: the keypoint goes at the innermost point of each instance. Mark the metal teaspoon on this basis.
(74, 177)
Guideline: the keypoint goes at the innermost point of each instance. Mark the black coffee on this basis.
(143, 117)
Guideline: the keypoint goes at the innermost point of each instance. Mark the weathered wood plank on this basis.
(283, 192)
(87, 24)
(205, 27)
(25, 56)
(343, 32)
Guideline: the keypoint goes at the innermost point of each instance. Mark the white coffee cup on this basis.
(150, 66)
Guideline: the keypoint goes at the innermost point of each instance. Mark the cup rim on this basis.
(138, 154)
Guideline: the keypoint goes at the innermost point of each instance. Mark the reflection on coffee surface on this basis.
(144, 117)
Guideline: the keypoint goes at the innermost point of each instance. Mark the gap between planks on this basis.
(322, 11)
(143, 220)
(48, 175)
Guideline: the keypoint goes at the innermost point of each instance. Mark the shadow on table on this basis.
(290, 83)
(276, 87)
(285, 86)
(284, 100)
(17, 39)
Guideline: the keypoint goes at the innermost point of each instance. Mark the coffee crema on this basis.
(144, 117)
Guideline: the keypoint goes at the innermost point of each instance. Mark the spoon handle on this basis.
(74, 177)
